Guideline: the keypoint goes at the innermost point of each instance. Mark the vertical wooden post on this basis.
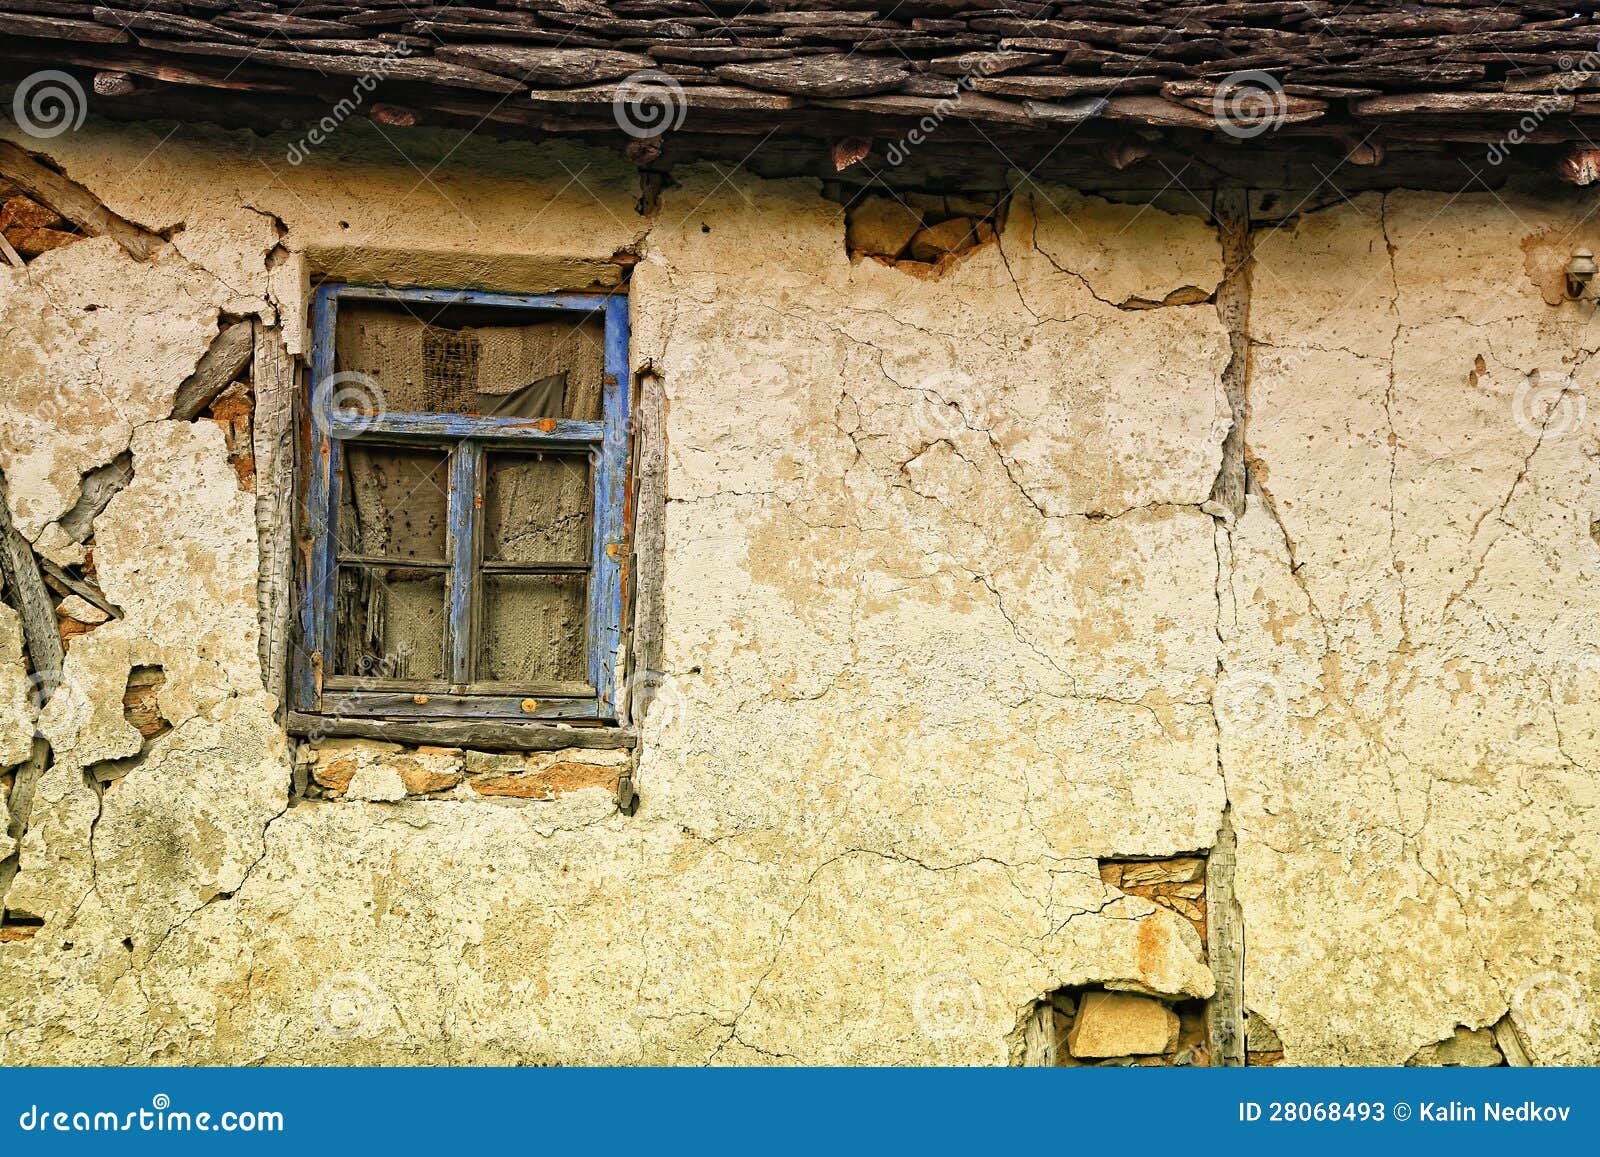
(1225, 936)
(275, 380)
(649, 542)
(1039, 1037)
(1232, 211)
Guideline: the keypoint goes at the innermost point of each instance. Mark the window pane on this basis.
(537, 508)
(389, 623)
(534, 628)
(393, 502)
(474, 360)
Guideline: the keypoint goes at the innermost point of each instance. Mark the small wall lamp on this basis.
(1581, 269)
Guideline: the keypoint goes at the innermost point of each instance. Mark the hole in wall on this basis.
(139, 702)
(920, 233)
(30, 227)
(1092, 1026)
(1177, 884)
(142, 709)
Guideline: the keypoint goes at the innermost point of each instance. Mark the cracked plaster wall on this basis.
(944, 616)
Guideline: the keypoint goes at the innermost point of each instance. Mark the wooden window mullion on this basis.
(466, 501)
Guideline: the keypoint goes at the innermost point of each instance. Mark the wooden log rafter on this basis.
(1156, 62)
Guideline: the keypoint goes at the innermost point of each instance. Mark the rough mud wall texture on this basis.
(945, 620)
(1409, 624)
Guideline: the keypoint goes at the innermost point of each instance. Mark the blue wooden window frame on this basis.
(465, 437)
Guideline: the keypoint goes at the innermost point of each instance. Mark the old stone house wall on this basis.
(951, 616)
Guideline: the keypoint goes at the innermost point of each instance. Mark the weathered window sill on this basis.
(483, 735)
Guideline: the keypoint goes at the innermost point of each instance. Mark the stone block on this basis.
(947, 237)
(376, 784)
(1122, 1024)
(1466, 1048)
(881, 226)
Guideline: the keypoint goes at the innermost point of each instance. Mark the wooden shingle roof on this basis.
(1464, 70)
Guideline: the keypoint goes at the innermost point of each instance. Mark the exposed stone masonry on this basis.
(385, 772)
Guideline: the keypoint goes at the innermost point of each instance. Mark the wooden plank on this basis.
(316, 599)
(1509, 1040)
(19, 807)
(609, 577)
(579, 302)
(1232, 212)
(1039, 1037)
(84, 589)
(1225, 933)
(545, 431)
(217, 369)
(274, 378)
(74, 202)
(95, 493)
(485, 690)
(649, 536)
(465, 505)
(11, 255)
(30, 598)
(482, 734)
(417, 705)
